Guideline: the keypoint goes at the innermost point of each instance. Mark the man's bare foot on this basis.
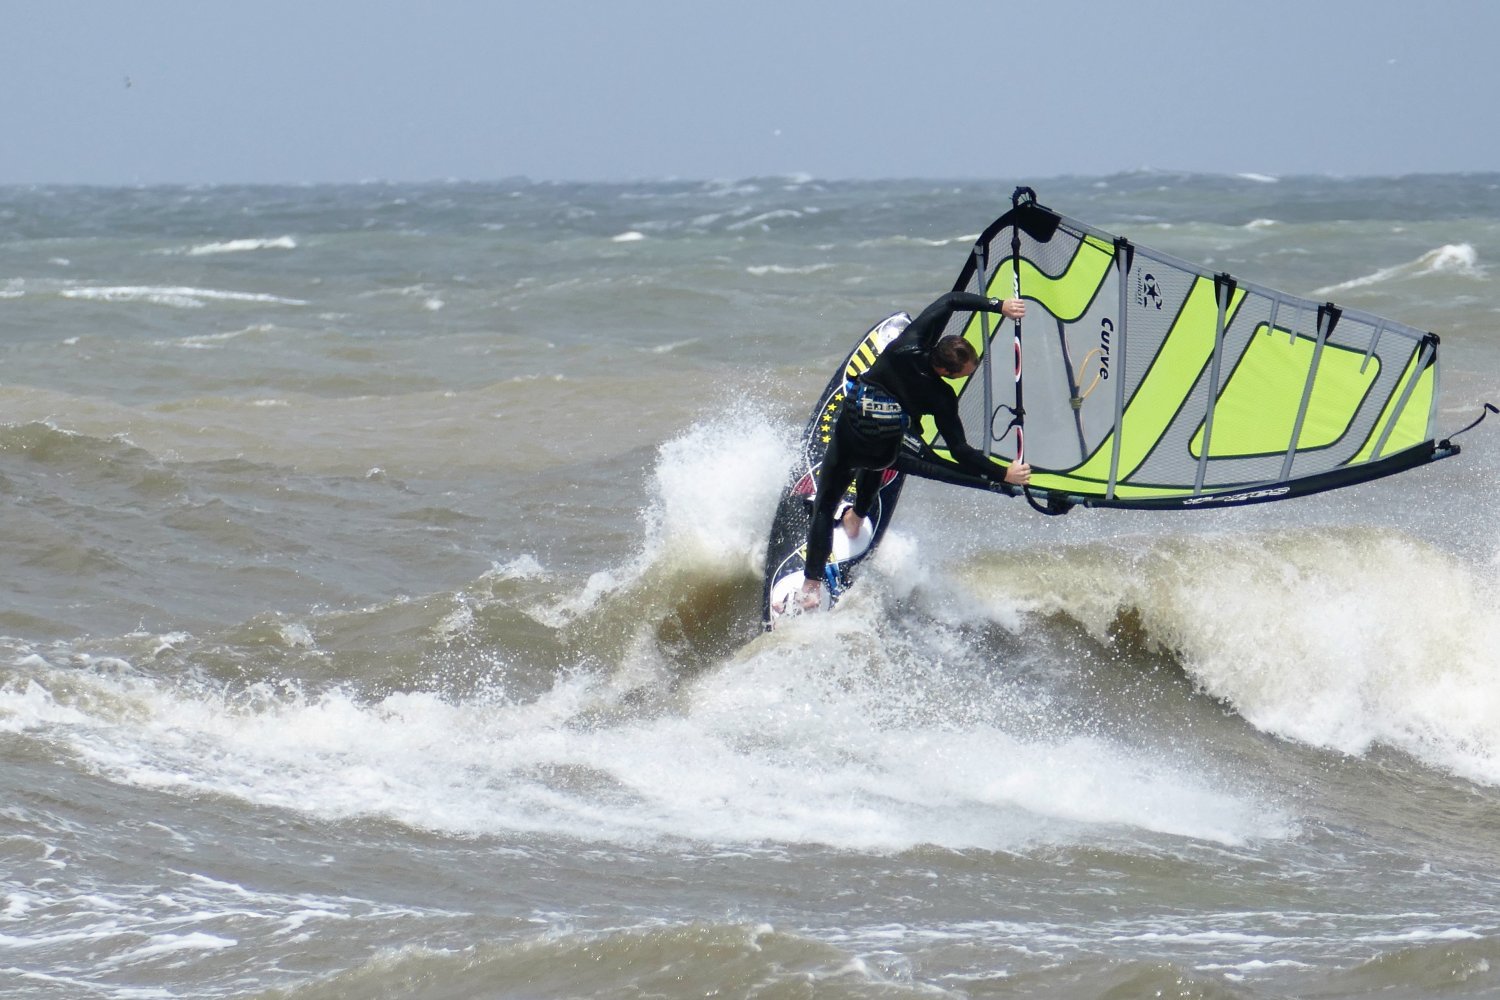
(852, 522)
(811, 594)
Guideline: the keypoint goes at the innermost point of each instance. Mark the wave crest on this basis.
(1455, 259)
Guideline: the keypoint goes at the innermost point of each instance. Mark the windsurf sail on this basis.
(1143, 380)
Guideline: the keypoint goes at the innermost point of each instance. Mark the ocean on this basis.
(382, 578)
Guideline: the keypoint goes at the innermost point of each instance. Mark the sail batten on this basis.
(1154, 382)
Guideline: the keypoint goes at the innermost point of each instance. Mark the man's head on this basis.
(954, 357)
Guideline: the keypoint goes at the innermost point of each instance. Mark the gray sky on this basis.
(201, 91)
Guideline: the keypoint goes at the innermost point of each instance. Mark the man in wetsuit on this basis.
(905, 382)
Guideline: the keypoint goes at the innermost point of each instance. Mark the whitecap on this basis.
(921, 241)
(1458, 259)
(454, 624)
(765, 217)
(632, 236)
(762, 270)
(520, 568)
(675, 345)
(1452, 258)
(204, 341)
(177, 297)
(1347, 671)
(162, 944)
(295, 635)
(241, 246)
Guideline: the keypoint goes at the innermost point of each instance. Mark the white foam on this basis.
(764, 218)
(243, 246)
(295, 635)
(739, 455)
(921, 241)
(834, 731)
(177, 297)
(673, 346)
(32, 706)
(1420, 935)
(761, 270)
(826, 733)
(1341, 639)
(1459, 259)
(455, 623)
(632, 236)
(520, 568)
(208, 339)
(166, 944)
(769, 750)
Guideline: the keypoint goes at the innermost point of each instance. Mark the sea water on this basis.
(382, 569)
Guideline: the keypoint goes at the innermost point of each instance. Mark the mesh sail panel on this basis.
(1145, 380)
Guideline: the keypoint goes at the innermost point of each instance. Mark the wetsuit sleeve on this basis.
(945, 416)
(930, 323)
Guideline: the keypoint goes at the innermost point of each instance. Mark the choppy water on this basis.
(381, 618)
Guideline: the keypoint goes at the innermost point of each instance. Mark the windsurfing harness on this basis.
(875, 414)
(1151, 382)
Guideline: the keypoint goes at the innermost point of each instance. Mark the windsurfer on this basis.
(904, 383)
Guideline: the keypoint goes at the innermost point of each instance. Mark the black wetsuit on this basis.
(860, 453)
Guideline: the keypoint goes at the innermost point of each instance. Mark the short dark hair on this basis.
(952, 353)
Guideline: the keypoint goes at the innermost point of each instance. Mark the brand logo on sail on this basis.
(1147, 291)
(1241, 497)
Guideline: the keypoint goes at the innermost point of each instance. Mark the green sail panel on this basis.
(1149, 381)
